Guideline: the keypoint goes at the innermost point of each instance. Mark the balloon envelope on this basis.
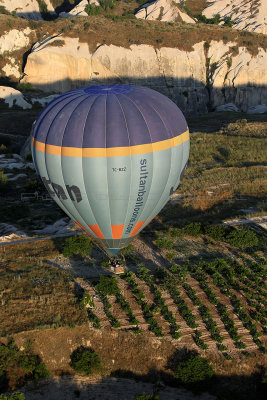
(111, 156)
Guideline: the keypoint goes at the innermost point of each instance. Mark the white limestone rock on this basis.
(259, 109)
(163, 10)
(79, 10)
(43, 101)
(13, 97)
(250, 15)
(228, 107)
(61, 68)
(14, 40)
(28, 9)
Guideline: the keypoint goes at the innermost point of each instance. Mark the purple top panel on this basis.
(109, 116)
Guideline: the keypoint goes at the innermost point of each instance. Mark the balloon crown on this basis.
(107, 89)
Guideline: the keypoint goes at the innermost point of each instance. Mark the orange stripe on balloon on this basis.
(111, 151)
(117, 231)
(137, 227)
(97, 231)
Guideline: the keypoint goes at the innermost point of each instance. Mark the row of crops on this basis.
(224, 296)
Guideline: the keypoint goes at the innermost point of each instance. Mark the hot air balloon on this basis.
(111, 156)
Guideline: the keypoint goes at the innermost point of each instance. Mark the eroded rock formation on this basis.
(203, 79)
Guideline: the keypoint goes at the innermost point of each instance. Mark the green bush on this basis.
(107, 285)
(13, 396)
(3, 180)
(75, 245)
(3, 149)
(24, 87)
(216, 232)
(164, 243)
(93, 10)
(242, 238)
(145, 396)
(85, 361)
(3, 10)
(194, 370)
(16, 366)
(213, 21)
(193, 229)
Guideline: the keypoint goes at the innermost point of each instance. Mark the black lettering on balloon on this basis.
(76, 192)
(59, 191)
(47, 183)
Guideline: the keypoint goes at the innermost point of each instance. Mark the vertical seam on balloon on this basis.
(148, 193)
(62, 173)
(45, 111)
(162, 193)
(63, 176)
(45, 155)
(128, 133)
(105, 117)
(158, 113)
(83, 158)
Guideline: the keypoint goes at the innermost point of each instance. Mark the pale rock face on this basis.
(250, 15)
(79, 10)
(259, 109)
(228, 107)
(58, 69)
(181, 75)
(242, 77)
(14, 40)
(12, 68)
(13, 97)
(164, 10)
(28, 9)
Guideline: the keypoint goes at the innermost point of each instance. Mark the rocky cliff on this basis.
(250, 15)
(211, 75)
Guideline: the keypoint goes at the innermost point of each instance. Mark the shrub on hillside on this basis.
(85, 360)
(3, 180)
(164, 243)
(216, 232)
(193, 229)
(75, 245)
(242, 238)
(107, 285)
(145, 396)
(194, 370)
(16, 366)
(13, 396)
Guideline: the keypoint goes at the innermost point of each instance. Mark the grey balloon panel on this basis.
(72, 170)
(175, 167)
(94, 170)
(185, 146)
(175, 170)
(140, 183)
(160, 173)
(119, 173)
(51, 169)
(41, 162)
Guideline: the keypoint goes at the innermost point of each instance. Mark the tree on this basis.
(85, 360)
(194, 370)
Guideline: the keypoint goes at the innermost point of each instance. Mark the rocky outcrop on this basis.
(250, 15)
(29, 9)
(13, 97)
(79, 10)
(163, 10)
(11, 43)
(205, 78)
(60, 64)
(14, 40)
